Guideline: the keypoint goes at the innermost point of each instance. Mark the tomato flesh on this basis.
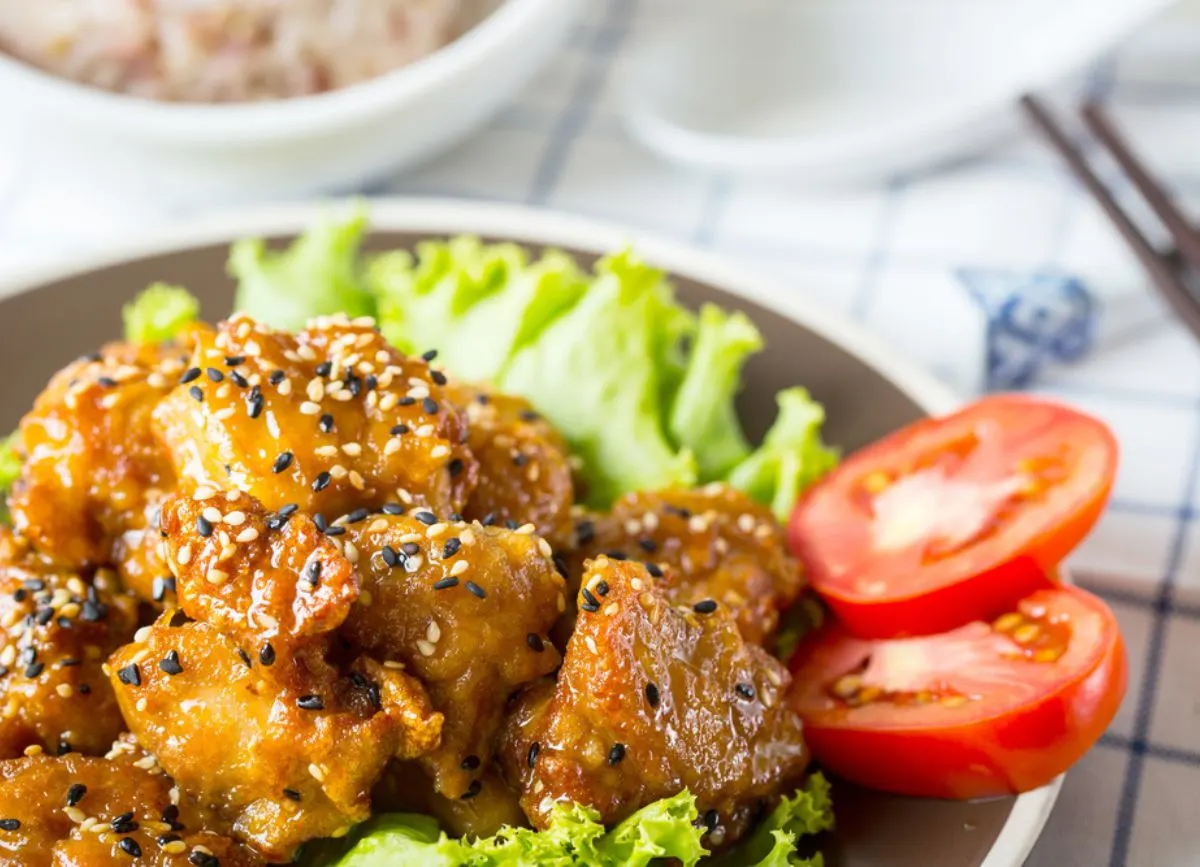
(951, 519)
(986, 709)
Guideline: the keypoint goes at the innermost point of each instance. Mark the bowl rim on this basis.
(229, 125)
(551, 228)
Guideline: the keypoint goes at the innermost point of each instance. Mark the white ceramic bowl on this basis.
(336, 141)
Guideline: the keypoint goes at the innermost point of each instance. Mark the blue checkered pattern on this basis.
(994, 272)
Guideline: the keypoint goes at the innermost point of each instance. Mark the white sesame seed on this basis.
(610, 609)
(426, 648)
(247, 535)
(337, 471)
(223, 391)
(745, 522)
(411, 537)
(212, 514)
(317, 772)
(65, 690)
(306, 352)
(377, 526)
(142, 634)
(235, 519)
(315, 390)
(436, 530)
(141, 705)
(343, 395)
(285, 388)
(633, 526)
(184, 556)
(309, 408)
(216, 576)
(425, 430)
(325, 451)
(467, 536)
(544, 548)
(439, 451)
(525, 529)
(352, 449)
(109, 400)
(433, 632)
(389, 401)
(357, 481)
(391, 446)
(350, 550)
(636, 584)
(75, 814)
(591, 643)
(459, 567)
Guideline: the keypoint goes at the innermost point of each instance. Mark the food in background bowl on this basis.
(228, 50)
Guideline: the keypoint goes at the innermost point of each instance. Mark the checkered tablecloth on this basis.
(995, 271)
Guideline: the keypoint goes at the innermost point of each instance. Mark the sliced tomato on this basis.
(953, 519)
(983, 710)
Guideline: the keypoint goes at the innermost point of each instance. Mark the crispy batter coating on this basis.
(711, 543)
(466, 608)
(91, 457)
(137, 555)
(256, 576)
(56, 804)
(404, 788)
(653, 698)
(524, 466)
(330, 419)
(281, 753)
(58, 630)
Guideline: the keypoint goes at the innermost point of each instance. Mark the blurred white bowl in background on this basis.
(189, 153)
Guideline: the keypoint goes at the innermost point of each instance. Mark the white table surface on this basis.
(947, 241)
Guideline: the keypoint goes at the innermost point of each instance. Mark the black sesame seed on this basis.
(335, 531)
(197, 393)
(535, 642)
(64, 623)
(35, 584)
(275, 377)
(711, 819)
(489, 519)
(745, 690)
(591, 603)
(455, 467)
(43, 616)
(312, 574)
(310, 702)
(616, 555)
(170, 813)
(602, 587)
(438, 377)
(675, 510)
(10, 824)
(130, 675)
(275, 522)
(529, 415)
(215, 375)
(189, 375)
(130, 847)
(239, 380)
(124, 817)
(282, 462)
(20, 594)
(107, 382)
(291, 794)
(83, 689)
(654, 571)
(392, 509)
(353, 384)
(124, 824)
(254, 402)
(426, 517)
(400, 430)
(170, 663)
(75, 794)
(324, 368)
(390, 557)
(321, 482)
(445, 583)
(652, 694)
(520, 459)
(406, 401)
(560, 566)
(287, 510)
(245, 657)
(372, 382)
(62, 749)
(162, 585)
(430, 355)
(476, 590)
(511, 524)
(534, 749)
(429, 405)
(234, 360)
(203, 859)
(266, 654)
(589, 606)
(410, 549)
(357, 515)
(648, 545)
(32, 671)
(166, 839)
(3, 671)
(472, 790)
(178, 618)
(470, 763)
(204, 526)
(705, 606)
(452, 547)
(69, 662)
(325, 423)
(616, 754)
(27, 655)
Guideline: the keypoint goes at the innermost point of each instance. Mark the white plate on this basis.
(835, 90)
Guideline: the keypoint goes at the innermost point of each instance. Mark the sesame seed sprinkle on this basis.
(445, 584)
(616, 754)
(189, 375)
(705, 606)
(476, 590)
(745, 690)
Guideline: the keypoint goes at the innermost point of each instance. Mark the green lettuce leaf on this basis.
(773, 843)
(599, 372)
(10, 469)
(475, 303)
(315, 276)
(791, 457)
(664, 829)
(158, 313)
(703, 417)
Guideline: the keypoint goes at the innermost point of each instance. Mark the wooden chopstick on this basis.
(1185, 238)
(1168, 280)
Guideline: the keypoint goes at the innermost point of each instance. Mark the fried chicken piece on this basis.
(137, 555)
(651, 699)
(710, 543)
(524, 464)
(466, 608)
(283, 749)
(330, 419)
(59, 629)
(91, 457)
(404, 788)
(50, 806)
(261, 578)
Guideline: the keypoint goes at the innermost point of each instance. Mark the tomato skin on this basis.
(832, 536)
(1009, 752)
